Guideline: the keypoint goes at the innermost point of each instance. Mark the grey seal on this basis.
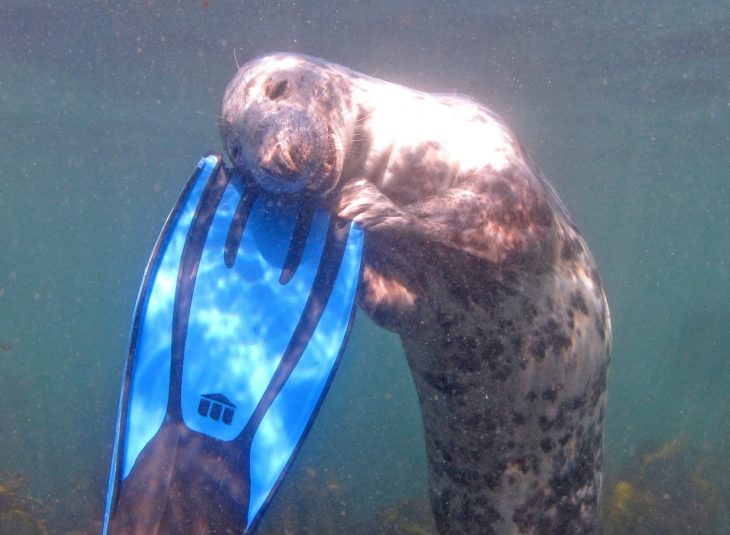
(472, 259)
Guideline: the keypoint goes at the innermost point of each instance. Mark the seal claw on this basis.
(361, 201)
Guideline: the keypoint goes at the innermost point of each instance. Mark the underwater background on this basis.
(106, 106)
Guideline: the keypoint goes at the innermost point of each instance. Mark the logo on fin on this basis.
(216, 407)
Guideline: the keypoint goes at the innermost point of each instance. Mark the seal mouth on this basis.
(271, 181)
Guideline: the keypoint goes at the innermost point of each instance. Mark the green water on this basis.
(106, 106)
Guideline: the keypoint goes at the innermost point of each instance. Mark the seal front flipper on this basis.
(487, 217)
(242, 316)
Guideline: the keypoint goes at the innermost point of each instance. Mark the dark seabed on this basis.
(106, 106)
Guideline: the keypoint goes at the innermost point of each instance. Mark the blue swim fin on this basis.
(240, 322)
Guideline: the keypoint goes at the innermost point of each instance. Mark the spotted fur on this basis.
(472, 259)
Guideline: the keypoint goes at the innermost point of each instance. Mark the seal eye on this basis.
(278, 90)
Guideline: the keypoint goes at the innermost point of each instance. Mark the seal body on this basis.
(473, 260)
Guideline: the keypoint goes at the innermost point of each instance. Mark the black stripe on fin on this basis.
(235, 231)
(297, 242)
(186, 275)
(324, 281)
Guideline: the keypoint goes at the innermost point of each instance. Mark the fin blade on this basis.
(249, 358)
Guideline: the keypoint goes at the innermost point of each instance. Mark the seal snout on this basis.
(290, 149)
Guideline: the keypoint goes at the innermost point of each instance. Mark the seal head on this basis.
(274, 127)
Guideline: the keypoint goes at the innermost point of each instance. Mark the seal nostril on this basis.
(278, 90)
(235, 151)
